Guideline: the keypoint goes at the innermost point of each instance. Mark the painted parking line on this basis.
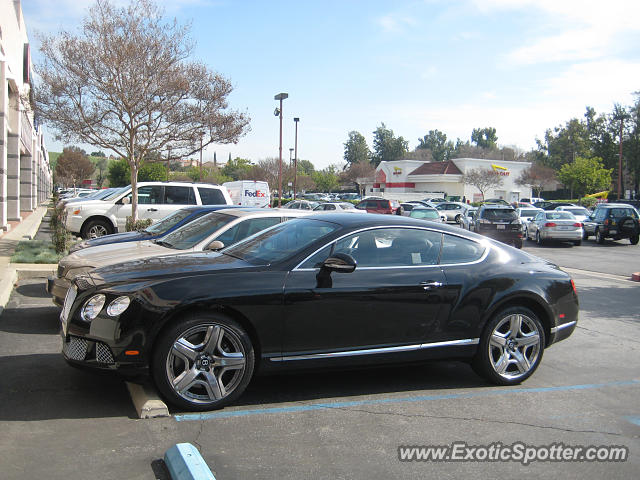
(382, 401)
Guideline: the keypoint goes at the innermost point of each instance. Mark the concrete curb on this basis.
(28, 228)
(13, 272)
(185, 463)
(146, 401)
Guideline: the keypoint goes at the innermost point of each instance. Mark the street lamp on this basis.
(295, 160)
(278, 112)
(290, 157)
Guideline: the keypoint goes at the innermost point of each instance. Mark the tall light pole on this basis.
(295, 160)
(278, 112)
(290, 157)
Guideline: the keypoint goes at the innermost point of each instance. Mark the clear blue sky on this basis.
(521, 66)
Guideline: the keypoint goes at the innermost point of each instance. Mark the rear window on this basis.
(499, 214)
(528, 213)
(211, 196)
(622, 212)
(560, 216)
(424, 213)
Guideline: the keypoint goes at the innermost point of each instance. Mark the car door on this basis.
(392, 298)
(149, 198)
(533, 225)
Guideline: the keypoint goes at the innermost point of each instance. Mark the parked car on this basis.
(324, 291)
(526, 214)
(468, 221)
(95, 195)
(426, 213)
(349, 196)
(613, 220)
(500, 222)
(496, 201)
(156, 200)
(301, 205)
(168, 224)
(345, 207)
(380, 205)
(553, 205)
(213, 231)
(580, 213)
(452, 211)
(555, 225)
(408, 206)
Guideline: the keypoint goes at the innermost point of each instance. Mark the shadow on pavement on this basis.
(44, 387)
(39, 320)
(37, 290)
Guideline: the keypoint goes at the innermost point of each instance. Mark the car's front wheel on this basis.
(599, 237)
(96, 228)
(203, 362)
(511, 347)
(634, 239)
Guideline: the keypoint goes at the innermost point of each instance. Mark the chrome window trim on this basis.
(443, 232)
(376, 351)
(563, 326)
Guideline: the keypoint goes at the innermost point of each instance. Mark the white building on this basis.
(25, 174)
(411, 179)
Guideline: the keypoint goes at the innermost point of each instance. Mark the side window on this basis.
(315, 260)
(330, 207)
(460, 250)
(232, 235)
(256, 225)
(150, 195)
(211, 196)
(179, 195)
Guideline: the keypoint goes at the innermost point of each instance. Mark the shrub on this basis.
(60, 237)
(588, 202)
(139, 225)
(35, 251)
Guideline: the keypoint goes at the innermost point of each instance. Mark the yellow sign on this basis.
(397, 171)
(503, 171)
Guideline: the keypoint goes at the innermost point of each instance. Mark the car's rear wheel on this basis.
(96, 228)
(511, 347)
(203, 362)
(517, 243)
(634, 239)
(577, 243)
(599, 237)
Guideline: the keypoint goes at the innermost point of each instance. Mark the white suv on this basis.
(156, 200)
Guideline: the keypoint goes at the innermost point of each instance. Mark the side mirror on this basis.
(340, 262)
(215, 245)
(126, 201)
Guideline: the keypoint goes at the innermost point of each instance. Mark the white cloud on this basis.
(395, 23)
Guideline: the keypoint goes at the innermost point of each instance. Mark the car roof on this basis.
(377, 219)
(497, 206)
(261, 212)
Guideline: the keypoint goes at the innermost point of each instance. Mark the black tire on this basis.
(517, 243)
(458, 219)
(539, 239)
(399, 211)
(527, 342)
(634, 239)
(599, 237)
(219, 340)
(577, 243)
(96, 228)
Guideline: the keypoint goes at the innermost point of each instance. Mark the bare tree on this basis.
(538, 177)
(483, 179)
(124, 83)
(358, 171)
(73, 166)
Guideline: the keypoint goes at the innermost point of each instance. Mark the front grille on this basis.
(103, 353)
(75, 348)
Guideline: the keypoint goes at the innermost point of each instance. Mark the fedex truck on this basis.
(249, 193)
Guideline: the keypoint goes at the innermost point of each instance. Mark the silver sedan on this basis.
(555, 225)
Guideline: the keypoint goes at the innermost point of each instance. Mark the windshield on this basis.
(501, 214)
(424, 213)
(577, 211)
(192, 233)
(117, 192)
(280, 241)
(167, 223)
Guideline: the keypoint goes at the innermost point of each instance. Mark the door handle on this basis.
(152, 209)
(430, 285)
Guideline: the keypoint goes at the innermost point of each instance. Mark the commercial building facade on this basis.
(409, 179)
(25, 173)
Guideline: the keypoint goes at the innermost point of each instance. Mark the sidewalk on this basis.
(25, 230)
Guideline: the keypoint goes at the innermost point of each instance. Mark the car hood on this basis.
(169, 266)
(109, 254)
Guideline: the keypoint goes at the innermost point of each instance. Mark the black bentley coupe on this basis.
(327, 290)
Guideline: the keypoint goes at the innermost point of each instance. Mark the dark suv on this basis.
(379, 205)
(613, 220)
(500, 222)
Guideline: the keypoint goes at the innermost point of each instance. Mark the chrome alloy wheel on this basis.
(97, 230)
(514, 346)
(206, 363)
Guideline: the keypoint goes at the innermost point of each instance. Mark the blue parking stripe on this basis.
(382, 401)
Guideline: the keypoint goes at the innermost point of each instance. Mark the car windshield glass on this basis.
(102, 194)
(347, 206)
(424, 213)
(577, 211)
(560, 216)
(528, 213)
(281, 241)
(169, 222)
(500, 214)
(193, 233)
(116, 193)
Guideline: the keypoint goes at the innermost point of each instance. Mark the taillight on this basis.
(573, 285)
(549, 224)
(607, 221)
(578, 224)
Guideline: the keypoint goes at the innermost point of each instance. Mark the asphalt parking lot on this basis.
(58, 422)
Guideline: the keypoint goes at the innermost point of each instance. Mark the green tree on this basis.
(485, 137)
(101, 166)
(327, 179)
(305, 167)
(585, 175)
(436, 142)
(99, 154)
(356, 149)
(238, 168)
(152, 172)
(564, 143)
(119, 173)
(386, 146)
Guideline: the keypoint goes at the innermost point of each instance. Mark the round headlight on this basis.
(118, 306)
(92, 307)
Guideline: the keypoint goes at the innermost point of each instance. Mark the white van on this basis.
(249, 193)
